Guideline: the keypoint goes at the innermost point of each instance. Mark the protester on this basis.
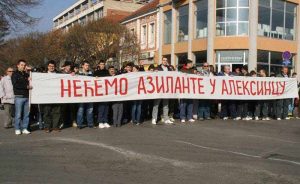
(136, 107)
(261, 107)
(20, 80)
(186, 105)
(67, 112)
(163, 67)
(7, 99)
(282, 105)
(117, 106)
(85, 107)
(228, 105)
(204, 105)
(52, 112)
(103, 107)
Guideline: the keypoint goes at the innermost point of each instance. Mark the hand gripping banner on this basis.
(62, 88)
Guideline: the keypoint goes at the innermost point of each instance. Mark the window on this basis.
(232, 17)
(144, 34)
(151, 35)
(183, 23)
(277, 19)
(270, 61)
(201, 18)
(168, 27)
(201, 57)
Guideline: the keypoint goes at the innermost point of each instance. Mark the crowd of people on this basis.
(18, 113)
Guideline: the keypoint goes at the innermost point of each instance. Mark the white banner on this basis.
(61, 88)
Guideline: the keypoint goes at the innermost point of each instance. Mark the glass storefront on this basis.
(232, 58)
(277, 19)
(201, 18)
(271, 61)
(183, 23)
(232, 17)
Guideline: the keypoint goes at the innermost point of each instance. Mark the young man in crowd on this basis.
(204, 105)
(136, 105)
(7, 98)
(186, 105)
(67, 115)
(85, 107)
(282, 105)
(52, 112)
(117, 107)
(163, 67)
(20, 80)
(262, 106)
(103, 107)
(243, 106)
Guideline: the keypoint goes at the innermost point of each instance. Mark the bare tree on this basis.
(13, 14)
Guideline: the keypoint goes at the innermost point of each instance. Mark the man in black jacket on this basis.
(103, 107)
(52, 112)
(20, 81)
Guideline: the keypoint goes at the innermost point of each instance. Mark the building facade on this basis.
(143, 23)
(230, 32)
(84, 11)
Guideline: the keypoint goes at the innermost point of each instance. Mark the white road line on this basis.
(134, 155)
(276, 139)
(284, 160)
(219, 150)
(238, 153)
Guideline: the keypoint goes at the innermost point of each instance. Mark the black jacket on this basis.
(101, 73)
(20, 83)
(159, 68)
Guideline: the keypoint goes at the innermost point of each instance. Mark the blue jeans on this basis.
(186, 109)
(204, 109)
(21, 108)
(88, 108)
(136, 109)
(103, 112)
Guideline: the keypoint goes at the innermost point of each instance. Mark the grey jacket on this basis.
(6, 91)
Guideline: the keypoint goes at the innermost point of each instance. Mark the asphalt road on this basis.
(216, 151)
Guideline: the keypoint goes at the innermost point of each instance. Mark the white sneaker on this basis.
(256, 118)
(278, 119)
(153, 121)
(268, 119)
(106, 125)
(287, 118)
(168, 122)
(191, 120)
(172, 119)
(101, 125)
(18, 132)
(264, 119)
(237, 118)
(74, 124)
(182, 121)
(25, 131)
(225, 118)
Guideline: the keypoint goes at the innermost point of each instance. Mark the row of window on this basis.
(270, 61)
(148, 35)
(276, 19)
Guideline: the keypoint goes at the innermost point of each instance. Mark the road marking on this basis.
(276, 139)
(239, 153)
(220, 150)
(134, 155)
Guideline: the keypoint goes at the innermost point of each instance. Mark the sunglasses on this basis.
(205, 66)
